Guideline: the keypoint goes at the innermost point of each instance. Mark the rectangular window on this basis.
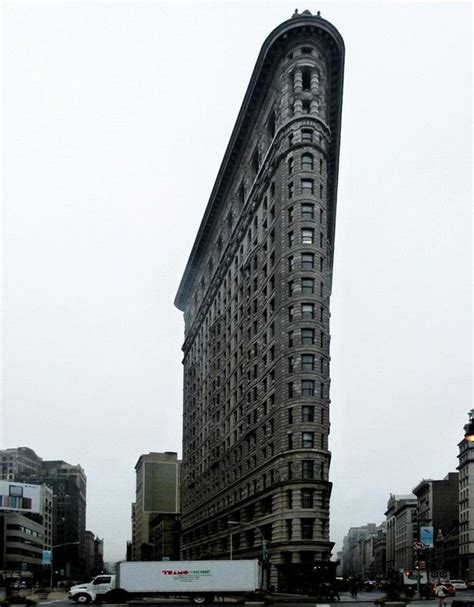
(290, 470)
(307, 440)
(307, 261)
(307, 186)
(307, 311)
(291, 239)
(290, 441)
(291, 163)
(307, 387)
(307, 528)
(289, 529)
(307, 413)
(307, 500)
(307, 469)
(307, 211)
(291, 313)
(307, 337)
(291, 288)
(291, 336)
(291, 263)
(307, 236)
(307, 286)
(289, 499)
(291, 190)
(307, 363)
(306, 135)
(290, 389)
(290, 214)
(290, 415)
(291, 365)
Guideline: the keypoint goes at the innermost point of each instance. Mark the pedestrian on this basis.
(442, 594)
(354, 588)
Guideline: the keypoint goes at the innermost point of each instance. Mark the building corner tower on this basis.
(255, 295)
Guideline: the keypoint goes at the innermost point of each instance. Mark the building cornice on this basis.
(272, 48)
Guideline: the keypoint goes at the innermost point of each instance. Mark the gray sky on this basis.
(116, 117)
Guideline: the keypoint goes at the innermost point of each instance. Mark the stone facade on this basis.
(255, 296)
(466, 501)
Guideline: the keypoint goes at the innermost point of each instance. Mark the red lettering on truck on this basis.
(170, 572)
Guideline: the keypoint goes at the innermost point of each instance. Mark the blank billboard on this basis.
(161, 487)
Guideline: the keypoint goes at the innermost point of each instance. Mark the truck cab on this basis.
(87, 593)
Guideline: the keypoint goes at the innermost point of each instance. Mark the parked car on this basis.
(458, 584)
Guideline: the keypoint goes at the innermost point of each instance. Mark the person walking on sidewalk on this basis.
(441, 594)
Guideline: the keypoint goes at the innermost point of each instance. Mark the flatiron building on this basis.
(255, 296)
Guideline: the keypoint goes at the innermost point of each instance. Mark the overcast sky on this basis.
(116, 117)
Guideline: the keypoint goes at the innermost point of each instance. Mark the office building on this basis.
(157, 499)
(68, 484)
(25, 528)
(255, 295)
(438, 508)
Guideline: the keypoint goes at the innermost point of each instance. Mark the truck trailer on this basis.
(200, 581)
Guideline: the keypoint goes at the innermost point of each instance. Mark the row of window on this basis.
(307, 163)
(307, 388)
(307, 414)
(308, 440)
(307, 363)
(307, 261)
(306, 286)
(307, 188)
(307, 236)
(307, 212)
(307, 312)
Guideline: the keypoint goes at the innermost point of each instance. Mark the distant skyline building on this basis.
(402, 532)
(361, 551)
(466, 500)
(157, 505)
(256, 301)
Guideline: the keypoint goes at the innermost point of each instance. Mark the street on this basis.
(364, 599)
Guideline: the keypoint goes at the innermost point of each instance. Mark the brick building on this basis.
(255, 296)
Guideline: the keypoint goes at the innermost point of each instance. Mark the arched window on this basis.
(307, 162)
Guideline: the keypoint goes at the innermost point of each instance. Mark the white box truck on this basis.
(200, 581)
